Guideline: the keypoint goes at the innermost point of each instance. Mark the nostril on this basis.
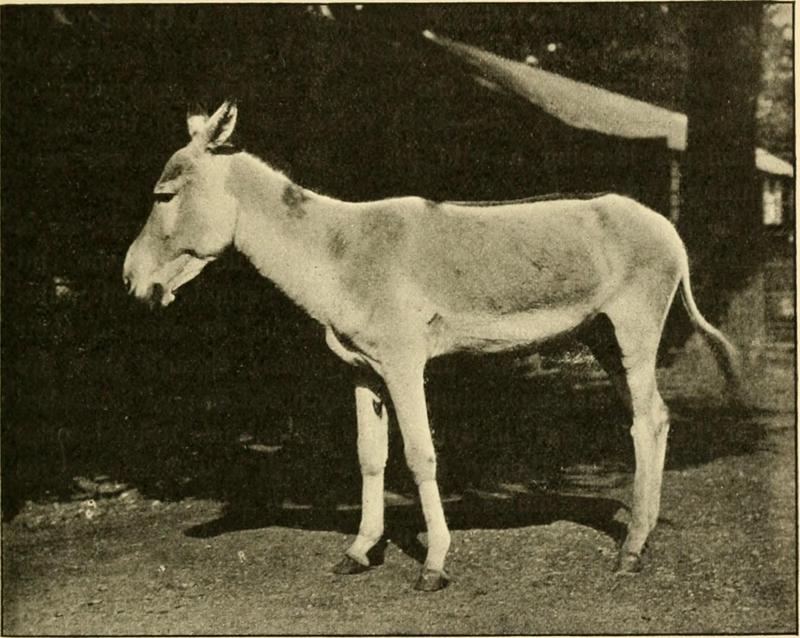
(126, 282)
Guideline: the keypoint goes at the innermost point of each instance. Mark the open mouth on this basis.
(188, 267)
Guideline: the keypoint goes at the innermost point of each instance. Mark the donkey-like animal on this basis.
(399, 281)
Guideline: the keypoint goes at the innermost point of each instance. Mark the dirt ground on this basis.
(528, 556)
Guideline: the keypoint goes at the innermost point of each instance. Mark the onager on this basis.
(399, 281)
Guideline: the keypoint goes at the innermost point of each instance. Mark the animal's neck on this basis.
(283, 230)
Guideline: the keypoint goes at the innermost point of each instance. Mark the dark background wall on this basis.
(93, 103)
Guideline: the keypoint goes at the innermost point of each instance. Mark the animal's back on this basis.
(499, 260)
(512, 258)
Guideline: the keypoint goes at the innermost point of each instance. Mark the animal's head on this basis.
(193, 216)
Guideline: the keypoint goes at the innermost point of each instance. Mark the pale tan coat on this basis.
(399, 281)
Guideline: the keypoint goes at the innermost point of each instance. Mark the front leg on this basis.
(406, 387)
(373, 447)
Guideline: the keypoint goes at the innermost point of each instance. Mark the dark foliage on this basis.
(775, 113)
(722, 192)
(93, 103)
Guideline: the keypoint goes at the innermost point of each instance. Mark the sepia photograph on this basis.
(398, 319)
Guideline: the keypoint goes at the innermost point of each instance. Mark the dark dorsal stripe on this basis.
(551, 197)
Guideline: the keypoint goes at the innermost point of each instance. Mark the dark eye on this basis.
(163, 198)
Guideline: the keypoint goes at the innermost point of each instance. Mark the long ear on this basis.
(196, 118)
(219, 126)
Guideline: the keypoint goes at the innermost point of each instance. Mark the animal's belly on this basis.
(492, 333)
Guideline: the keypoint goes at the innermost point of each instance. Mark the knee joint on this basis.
(372, 468)
(422, 466)
(372, 454)
(654, 421)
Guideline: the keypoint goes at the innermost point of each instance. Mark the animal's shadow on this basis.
(404, 522)
(507, 444)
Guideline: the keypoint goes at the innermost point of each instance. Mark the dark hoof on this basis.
(377, 554)
(628, 564)
(349, 566)
(432, 580)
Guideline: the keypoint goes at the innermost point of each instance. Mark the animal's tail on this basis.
(725, 352)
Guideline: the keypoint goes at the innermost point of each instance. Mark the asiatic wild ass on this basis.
(399, 281)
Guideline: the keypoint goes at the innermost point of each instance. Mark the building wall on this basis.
(761, 315)
(674, 187)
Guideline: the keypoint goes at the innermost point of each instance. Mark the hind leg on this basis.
(641, 381)
(602, 342)
(638, 325)
(661, 418)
